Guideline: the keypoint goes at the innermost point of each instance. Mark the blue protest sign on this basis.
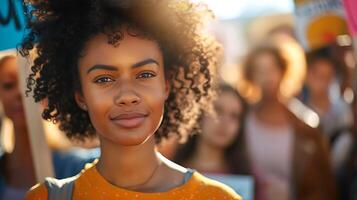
(12, 23)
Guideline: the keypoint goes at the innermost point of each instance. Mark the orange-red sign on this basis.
(319, 22)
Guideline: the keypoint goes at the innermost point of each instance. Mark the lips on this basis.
(129, 120)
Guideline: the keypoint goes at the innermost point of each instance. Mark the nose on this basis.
(127, 98)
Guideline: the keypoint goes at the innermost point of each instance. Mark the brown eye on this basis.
(8, 86)
(103, 80)
(146, 75)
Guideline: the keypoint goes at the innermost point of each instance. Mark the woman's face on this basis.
(320, 76)
(123, 88)
(221, 132)
(267, 75)
(10, 94)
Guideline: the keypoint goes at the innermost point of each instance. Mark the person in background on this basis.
(17, 173)
(335, 114)
(290, 158)
(219, 148)
(347, 174)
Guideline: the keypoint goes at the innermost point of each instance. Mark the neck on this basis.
(20, 157)
(320, 102)
(128, 167)
(272, 113)
(22, 140)
(268, 104)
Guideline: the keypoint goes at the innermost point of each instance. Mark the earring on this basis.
(83, 106)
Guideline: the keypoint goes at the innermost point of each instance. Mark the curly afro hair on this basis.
(59, 30)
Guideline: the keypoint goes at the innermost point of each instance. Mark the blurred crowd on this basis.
(302, 146)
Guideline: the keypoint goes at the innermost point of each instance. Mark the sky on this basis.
(230, 9)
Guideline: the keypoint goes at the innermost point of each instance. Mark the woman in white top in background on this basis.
(290, 159)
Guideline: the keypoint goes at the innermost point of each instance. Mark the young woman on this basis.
(347, 174)
(290, 158)
(17, 172)
(335, 114)
(14, 187)
(220, 147)
(131, 72)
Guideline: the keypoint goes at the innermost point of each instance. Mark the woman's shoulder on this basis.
(40, 191)
(37, 192)
(200, 186)
(209, 188)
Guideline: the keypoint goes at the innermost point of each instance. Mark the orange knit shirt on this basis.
(92, 186)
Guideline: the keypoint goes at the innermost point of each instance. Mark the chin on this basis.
(131, 139)
(129, 136)
(129, 142)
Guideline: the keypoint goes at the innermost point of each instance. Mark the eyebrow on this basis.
(145, 62)
(105, 67)
(113, 68)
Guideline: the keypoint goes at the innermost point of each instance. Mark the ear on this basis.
(167, 88)
(78, 96)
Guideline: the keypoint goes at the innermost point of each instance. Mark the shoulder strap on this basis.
(188, 175)
(60, 189)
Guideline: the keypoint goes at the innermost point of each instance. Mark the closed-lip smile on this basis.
(129, 120)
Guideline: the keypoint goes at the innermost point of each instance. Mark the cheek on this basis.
(97, 103)
(5, 99)
(154, 96)
(9, 100)
(154, 99)
(233, 128)
(208, 125)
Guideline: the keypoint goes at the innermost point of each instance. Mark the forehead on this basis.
(8, 67)
(265, 62)
(229, 100)
(322, 65)
(265, 58)
(129, 49)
